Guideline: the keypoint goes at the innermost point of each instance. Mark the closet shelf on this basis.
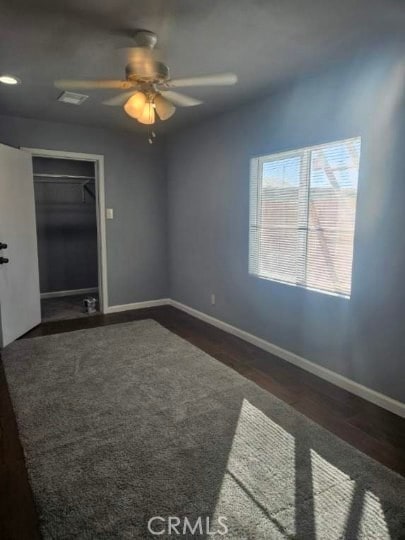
(48, 175)
(66, 178)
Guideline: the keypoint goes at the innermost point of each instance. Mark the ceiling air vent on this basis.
(72, 98)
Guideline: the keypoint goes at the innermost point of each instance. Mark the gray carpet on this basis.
(65, 307)
(126, 422)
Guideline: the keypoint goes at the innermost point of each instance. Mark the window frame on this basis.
(255, 211)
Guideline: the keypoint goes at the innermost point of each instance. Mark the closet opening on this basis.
(70, 247)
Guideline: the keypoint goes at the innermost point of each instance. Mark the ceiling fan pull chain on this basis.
(151, 135)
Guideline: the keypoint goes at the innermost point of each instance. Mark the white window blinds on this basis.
(302, 216)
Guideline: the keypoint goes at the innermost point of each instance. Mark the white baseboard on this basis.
(390, 404)
(137, 305)
(72, 292)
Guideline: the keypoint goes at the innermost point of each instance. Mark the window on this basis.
(302, 216)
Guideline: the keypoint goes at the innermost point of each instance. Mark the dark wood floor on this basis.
(372, 430)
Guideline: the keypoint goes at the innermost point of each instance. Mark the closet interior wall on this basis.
(66, 224)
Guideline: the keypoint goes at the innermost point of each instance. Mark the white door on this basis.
(20, 307)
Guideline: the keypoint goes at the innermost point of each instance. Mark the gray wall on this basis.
(208, 174)
(135, 187)
(66, 226)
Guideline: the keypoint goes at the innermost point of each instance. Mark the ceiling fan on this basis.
(147, 84)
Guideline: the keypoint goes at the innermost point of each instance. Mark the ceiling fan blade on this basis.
(180, 99)
(70, 84)
(221, 79)
(138, 54)
(142, 59)
(119, 99)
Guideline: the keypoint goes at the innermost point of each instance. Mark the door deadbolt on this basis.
(3, 246)
(3, 260)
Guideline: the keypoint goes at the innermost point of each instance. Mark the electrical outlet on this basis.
(213, 299)
(109, 213)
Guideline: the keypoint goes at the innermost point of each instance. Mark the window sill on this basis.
(303, 287)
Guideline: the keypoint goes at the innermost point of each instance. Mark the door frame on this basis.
(98, 161)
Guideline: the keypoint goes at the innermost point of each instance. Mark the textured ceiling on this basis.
(263, 41)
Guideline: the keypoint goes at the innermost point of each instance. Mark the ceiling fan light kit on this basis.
(142, 107)
(135, 105)
(147, 116)
(148, 84)
(163, 107)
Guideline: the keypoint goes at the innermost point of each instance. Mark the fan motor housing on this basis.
(157, 72)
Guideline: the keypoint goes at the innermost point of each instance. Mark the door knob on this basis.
(3, 260)
(3, 246)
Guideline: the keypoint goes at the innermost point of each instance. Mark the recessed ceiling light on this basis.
(9, 79)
